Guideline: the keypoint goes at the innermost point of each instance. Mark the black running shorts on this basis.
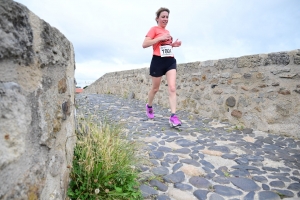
(160, 65)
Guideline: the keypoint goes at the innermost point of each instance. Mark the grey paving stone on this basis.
(164, 164)
(164, 149)
(190, 161)
(143, 168)
(222, 149)
(221, 180)
(183, 151)
(265, 186)
(160, 171)
(245, 184)
(296, 173)
(268, 195)
(207, 164)
(201, 194)
(198, 147)
(294, 187)
(176, 167)
(219, 172)
(242, 161)
(249, 196)
(183, 186)
(245, 167)
(229, 156)
(163, 197)
(271, 169)
(147, 191)
(295, 178)
(281, 178)
(210, 175)
(194, 156)
(247, 131)
(239, 173)
(161, 142)
(261, 179)
(199, 182)
(151, 147)
(156, 155)
(177, 177)
(279, 184)
(160, 186)
(283, 193)
(215, 196)
(253, 158)
(170, 158)
(185, 143)
(226, 191)
(201, 156)
(154, 162)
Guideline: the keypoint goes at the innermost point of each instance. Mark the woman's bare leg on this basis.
(171, 79)
(155, 87)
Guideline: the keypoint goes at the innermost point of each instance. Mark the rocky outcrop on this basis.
(36, 106)
(258, 91)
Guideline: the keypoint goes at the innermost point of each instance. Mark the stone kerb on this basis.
(36, 106)
(259, 91)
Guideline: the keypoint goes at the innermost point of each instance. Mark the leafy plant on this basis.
(103, 164)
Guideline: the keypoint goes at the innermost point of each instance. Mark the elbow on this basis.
(144, 46)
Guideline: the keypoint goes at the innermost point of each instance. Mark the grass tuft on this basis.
(103, 164)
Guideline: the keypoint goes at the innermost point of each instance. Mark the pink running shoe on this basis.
(149, 112)
(174, 121)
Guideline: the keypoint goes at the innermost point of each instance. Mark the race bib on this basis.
(166, 50)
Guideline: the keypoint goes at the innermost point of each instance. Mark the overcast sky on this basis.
(107, 35)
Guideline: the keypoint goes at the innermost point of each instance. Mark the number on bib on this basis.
(166, 50)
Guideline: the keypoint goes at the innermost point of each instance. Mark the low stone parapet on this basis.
(259, 91)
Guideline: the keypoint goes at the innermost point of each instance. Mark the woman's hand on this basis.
(165, 37)
(176, 43)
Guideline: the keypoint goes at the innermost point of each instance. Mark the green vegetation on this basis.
(226, 174)
(103, 164)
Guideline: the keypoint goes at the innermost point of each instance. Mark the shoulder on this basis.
(154, 28)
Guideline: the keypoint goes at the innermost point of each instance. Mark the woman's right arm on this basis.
(149, 42)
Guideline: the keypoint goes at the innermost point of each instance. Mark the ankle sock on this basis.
(173, 114)
(149, 106)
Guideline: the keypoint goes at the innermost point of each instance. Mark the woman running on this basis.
(162, 63)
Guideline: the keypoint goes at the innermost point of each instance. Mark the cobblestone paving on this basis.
(203, 159)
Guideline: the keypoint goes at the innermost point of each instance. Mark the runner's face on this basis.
(163, 19)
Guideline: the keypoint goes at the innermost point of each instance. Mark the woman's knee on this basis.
(155, 90)
(172, 89)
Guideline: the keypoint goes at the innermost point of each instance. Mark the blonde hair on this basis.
(162, 9)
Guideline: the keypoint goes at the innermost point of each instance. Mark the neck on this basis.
(161, 26)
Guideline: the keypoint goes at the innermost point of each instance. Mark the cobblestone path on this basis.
(203, 159)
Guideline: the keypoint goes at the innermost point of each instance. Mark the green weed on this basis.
(103, 164)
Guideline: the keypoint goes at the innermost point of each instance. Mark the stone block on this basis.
(280, 58)
(249, 61)
(236, 113)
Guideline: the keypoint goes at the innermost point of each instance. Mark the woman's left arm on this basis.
(176, 43)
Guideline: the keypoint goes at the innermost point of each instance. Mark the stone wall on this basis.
(258, 91)
(36, 106)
